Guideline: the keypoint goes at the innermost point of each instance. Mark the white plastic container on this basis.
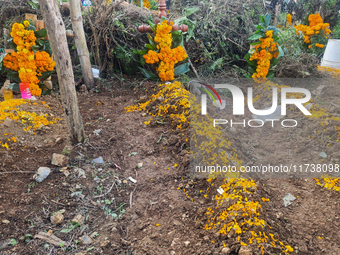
(95, 71)
(331, 57)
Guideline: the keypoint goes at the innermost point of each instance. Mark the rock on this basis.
(143, 99)
(79, 219)
(288, 199)
(225, 250)
(175, 241)
(159, 99)
(83, 89)
(323, 155)
(85, 239)
(245, 250)
(206, 238)
(125, 181)
(186, 243)
(48, 84)
(98, 160)
(177, 223)
(143, 114)
(233, 130)
(8, 122)
(198, 224)
(309, 106)
(139, 165)
(57, 218)
(124, 242)
(59, 160)
(153, 236)
(172, 253)
(42, 174)
(279, 215)
(105, 244)
(59, 140)
(50, 238)
(5, 221)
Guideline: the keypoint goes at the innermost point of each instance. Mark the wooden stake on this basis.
(56, 32)
(80, 40)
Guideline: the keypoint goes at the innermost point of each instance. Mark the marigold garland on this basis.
(263, 53)
(166, 56)
(28, 65)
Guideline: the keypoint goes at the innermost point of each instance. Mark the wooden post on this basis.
(29, 16)
(80, 40)
(56, 33)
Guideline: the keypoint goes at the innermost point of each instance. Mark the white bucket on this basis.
(331, 57)
(95, 71)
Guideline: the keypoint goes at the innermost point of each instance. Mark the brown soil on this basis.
(156, 216)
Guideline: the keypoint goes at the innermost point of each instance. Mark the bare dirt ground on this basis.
(164, 211)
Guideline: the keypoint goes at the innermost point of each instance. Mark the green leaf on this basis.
(281, 53)
(162, 19)
(177, 39)
(13, 242)
(142, 60)
(252, 63)
(66, 230)
(262, 19)
(40, 42)
(256, 36)
(251, 70)
(247, 56)
(148, 74)
(35, 48)
(191, 26)
(270, 74)
(190, 10)
(255, 43)
(274, 62)
(151, 42)
(150, 47)
(45, 75)
(142, 52)
(31, 27)
(46, 92)
(12, 44)
(14, 76)
(1, 61)
(181, 69)
(14, 87)
(152, 25)
(41, 33)
(47, 48)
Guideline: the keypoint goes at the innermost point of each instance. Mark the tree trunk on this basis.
(79, 37)
(57, 36)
